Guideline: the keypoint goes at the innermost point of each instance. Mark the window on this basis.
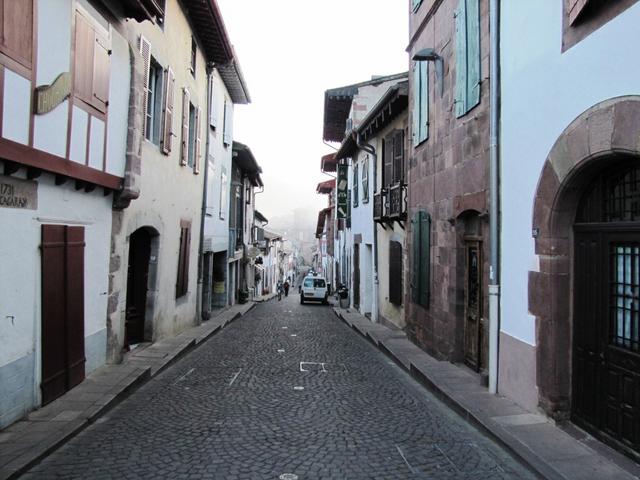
(194, 49)
(365, 180)
(420, 102)
(421, 238)
(213, 110)
(16, 31)
(186, 117)
(395, 273)
(192, 135)
(154, 101)
(415, 5)
(393, 159)
(91, 63)
(467, 56)
(182, 282)
(355, 185)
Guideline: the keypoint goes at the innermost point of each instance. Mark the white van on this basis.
(314, 288)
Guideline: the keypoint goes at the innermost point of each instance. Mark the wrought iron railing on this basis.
(398, 201)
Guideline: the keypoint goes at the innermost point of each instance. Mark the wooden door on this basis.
(137, 286)
(606, 348)
(62, 322)
(356, 275)
(473, 305)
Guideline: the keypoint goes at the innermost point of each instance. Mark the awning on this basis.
(327, 186)
(328, 163)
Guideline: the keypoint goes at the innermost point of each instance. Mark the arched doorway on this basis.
(136, 330)
(606, 305)
(590, 169)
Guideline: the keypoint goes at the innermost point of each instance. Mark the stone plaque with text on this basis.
(17, 193)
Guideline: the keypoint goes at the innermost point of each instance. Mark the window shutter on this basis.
(415, 124)
(395, 273)
(355, 185)
(387, 170)
(415, 261)
(16, 30)
(182, 282)
(167, 128)
(425, 250)
(213, 111)
(398, 156)
(101, 62)
(184, 147)
(145, 50)
(415, 4)
(83, 59)
(575, 8)
(227, 124)
(473, 54)
(196, 168)
(424, 101)
(461, 58)
(365, 180)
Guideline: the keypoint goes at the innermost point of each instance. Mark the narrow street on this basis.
(287, 389)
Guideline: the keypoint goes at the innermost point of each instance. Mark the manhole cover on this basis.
(288, 476)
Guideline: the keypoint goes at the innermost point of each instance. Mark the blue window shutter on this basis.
(473, 54)
(415, 261)
(425, 257)
(415, 127)
(424, 101)
(461, 58)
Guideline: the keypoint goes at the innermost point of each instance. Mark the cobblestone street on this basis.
(286, 389)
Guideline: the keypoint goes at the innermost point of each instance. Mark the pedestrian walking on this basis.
(286, 288)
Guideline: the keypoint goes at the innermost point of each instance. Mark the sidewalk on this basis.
(552, 451)
(42, 431)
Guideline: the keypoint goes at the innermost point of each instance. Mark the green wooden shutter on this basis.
(424, 101)
(415, 126)
(461, 58)
(473, 53)
(415, 261)
(425, 264)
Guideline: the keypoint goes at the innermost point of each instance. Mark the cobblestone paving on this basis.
(243, 406)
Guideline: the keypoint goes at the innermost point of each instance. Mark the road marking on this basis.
(281, 350)
(184, 376)
(322, 364)
(284, 328)
(298, 388)
(405, 460)
(288, 476)
(294, 335)
(234, 377)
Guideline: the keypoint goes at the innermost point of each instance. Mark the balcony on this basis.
(397, 207)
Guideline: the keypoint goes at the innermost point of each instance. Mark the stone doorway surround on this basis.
(606, 130)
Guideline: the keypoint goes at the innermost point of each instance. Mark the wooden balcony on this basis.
(379, 200)
(397, 206)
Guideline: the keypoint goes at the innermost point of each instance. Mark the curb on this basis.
(519, 451)
(50, 444)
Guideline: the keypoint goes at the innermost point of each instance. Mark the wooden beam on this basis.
(89, 187)
(60, 179)
(10, 167)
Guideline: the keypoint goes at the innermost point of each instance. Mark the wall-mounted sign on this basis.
(48, 97)
(16, 193)
(342, 184)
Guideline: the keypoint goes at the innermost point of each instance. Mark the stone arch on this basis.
(596, 137)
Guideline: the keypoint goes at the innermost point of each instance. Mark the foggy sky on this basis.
(290, 52)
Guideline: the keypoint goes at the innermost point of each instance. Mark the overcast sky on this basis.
(290, 52)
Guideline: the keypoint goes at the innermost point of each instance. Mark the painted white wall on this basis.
(21, 291)
(215, 227)
(543, 90)
(16, 107)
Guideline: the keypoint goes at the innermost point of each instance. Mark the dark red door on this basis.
(62, 309)
(137, 286)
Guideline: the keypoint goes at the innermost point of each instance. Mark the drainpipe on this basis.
(201, 311)
(494, 212)
(370, 149)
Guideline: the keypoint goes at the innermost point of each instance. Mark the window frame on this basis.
(155, 97)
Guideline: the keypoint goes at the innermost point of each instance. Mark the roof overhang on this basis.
(327, 186)
(233, 79)
(260, 217)
(391, 104)
(207, 21)
(243, 157)
(328, 163)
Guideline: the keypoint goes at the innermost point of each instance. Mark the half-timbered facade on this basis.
(65, 77)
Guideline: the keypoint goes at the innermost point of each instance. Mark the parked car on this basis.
(314, 288)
